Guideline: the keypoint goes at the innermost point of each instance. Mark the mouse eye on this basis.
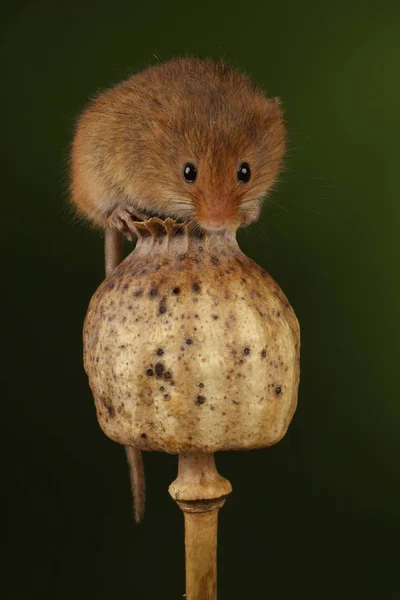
(244, 173)
(189, 172)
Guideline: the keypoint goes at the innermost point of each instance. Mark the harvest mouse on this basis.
(190, 139)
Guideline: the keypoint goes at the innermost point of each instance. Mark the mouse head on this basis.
(231, 158)
(217, 144)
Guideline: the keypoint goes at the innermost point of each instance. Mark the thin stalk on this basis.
(200, 492)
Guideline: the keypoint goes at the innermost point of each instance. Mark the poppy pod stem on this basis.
(200, 492)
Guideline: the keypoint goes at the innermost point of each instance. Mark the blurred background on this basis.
(318, 515)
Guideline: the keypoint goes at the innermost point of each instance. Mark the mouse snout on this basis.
(214, 227)
(216, 215)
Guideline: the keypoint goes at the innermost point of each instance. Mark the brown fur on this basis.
(133, 141)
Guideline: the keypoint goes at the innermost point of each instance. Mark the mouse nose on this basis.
(214, 228)
(214, 225)
(215, 216)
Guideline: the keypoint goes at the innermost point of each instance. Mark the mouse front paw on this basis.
(122, 218)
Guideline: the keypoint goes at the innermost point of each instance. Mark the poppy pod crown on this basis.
(190, 346)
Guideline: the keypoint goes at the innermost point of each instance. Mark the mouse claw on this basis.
(122, 219)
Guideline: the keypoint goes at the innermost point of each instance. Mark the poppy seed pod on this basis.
(190, 346)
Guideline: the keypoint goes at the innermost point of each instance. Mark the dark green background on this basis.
(317, 516)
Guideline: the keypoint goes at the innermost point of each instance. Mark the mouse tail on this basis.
(138, 486)
(113, 256)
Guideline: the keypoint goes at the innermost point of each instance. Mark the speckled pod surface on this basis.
(190, 346)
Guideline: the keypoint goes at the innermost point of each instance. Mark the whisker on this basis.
(274, 203)
(195, 227)
(174, 202)
(193, 196)
(243, 202)
(257, 227)
(282, 233)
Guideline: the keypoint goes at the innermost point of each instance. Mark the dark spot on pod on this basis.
(188, 341)
(196, 287)
(125, 287)
(201, 385)
(278, 390)
(263, 353)
(167, 375)
(166, 396)
(139, 293)
(181, 256)
(215, 260)
(110, 286)
(200, 400)
(163, 308)
(278, 313)
(215, 317)
(111, 411)
(159, 368)
(176, 291)
(201, 249)
(162, 388)
(143, 435)
(153, 292)
(246, 351)
(160, 352)
(149, 372)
